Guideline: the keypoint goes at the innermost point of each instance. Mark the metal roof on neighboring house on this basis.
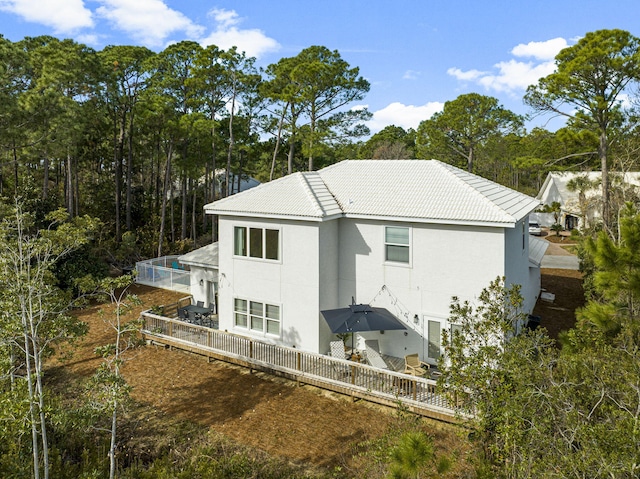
(537, 249)
(398, 190)
(555, 189)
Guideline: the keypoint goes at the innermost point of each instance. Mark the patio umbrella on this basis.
(359, 318)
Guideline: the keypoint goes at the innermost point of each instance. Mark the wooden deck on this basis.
(357, 380)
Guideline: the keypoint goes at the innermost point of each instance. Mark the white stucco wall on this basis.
(324, 264)
(291, 283)
(445, 261)
(199, 291)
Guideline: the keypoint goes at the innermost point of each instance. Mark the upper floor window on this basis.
(256, 242)
(397, 244)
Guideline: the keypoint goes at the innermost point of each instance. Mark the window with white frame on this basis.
(260, 243)
(257, 317)
(397, 244)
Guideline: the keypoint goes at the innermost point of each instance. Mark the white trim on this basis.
(242, 214)
(407, 264)
(263, 227)
(248, 331)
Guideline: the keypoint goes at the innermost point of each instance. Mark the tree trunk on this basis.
(231, 145)
(194, 233)
(165, 189)
(603, 148)
(45, 175)
(69, 185)
(15, 167)
(129, 174)
(278, 138)
(292, 148)
(32, 412)
(183, 220)
(118, 141)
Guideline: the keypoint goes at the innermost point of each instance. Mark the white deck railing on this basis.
(347, 377)
(164, 272)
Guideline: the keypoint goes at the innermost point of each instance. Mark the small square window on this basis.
(397, 244)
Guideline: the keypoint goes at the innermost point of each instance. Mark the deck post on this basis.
(250, 355)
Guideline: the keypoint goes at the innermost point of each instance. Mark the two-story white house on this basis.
(406, 235)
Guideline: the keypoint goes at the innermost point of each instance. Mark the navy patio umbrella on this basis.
(360, 318)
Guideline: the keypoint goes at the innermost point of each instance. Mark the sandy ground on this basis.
(303, 424)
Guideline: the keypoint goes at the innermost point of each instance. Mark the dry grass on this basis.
(302, 424)
(560, 314)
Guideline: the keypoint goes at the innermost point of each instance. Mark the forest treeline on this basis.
(112, 154)
(142, 140)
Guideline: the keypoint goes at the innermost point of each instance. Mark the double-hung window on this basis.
(397, 244)
(257, 317)
(260, 243)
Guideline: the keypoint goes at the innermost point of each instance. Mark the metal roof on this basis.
(397, 190)
(537, 249)
(207, 256)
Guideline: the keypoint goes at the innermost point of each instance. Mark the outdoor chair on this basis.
(337, 350)
(373, 354)
(183, 314)
(413, 365)
(200, 304)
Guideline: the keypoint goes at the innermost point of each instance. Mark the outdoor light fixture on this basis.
(416, 319)
(202, 282)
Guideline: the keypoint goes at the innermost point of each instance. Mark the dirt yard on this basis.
(302, 424)
(559, 315)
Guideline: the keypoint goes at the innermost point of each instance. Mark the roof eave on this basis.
(248, 214)
(439, 221)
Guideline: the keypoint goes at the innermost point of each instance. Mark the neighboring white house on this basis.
(406, 235)
(575, 205)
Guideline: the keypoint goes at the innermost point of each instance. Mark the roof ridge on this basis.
(457, 174)
(312, 191)
(311, 195)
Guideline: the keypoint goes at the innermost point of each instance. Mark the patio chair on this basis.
(200, 304)
(373, 354)
(337, 350)
(413, 365)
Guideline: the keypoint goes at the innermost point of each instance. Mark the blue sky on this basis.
(416, 54)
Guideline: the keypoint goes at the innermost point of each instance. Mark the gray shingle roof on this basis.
(397, 190)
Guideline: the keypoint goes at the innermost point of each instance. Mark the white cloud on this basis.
(545, 51)
(64, 16)
(226, 35)
(406, 116)
(410, 75)
(148, 21)
(511, 76)
(469, 75)
(514, 75)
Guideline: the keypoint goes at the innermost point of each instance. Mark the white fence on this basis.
(164, 272)
(347, 377)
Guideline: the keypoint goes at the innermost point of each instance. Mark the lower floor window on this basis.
(257, 316)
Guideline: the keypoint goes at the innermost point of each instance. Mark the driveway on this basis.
(558, 257)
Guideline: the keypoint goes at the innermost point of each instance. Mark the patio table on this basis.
(200, 312)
